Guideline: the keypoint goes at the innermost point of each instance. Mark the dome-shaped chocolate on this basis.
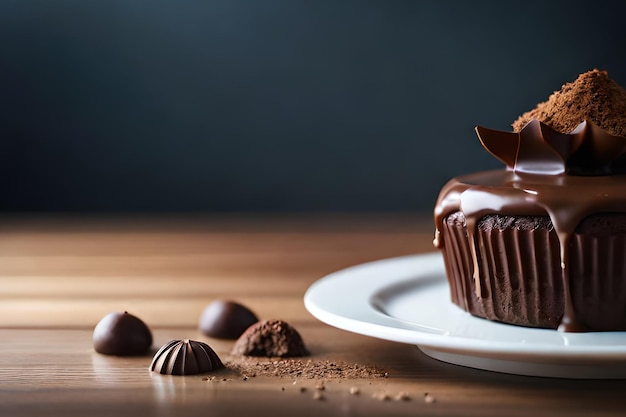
(121, 334)
(270, 338)
(226, 319)
(185, 357)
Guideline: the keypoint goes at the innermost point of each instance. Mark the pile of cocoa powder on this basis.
(592, 96)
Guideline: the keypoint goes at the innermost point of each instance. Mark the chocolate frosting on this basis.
(564, 176)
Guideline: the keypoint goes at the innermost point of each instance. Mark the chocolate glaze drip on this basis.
(539, 181)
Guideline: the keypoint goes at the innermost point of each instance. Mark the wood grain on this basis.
(60, 275)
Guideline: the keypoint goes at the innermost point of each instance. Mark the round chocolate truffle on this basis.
(185, 357)
(121, 334)
(226, 319)
(270, 338)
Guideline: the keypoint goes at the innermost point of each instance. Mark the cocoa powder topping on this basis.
(592, 96)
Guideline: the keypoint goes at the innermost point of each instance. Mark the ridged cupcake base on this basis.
(520, 280)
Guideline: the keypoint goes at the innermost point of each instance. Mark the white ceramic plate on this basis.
(407, 300)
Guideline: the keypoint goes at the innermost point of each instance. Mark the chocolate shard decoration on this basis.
(502, 145)
(535, 155)
(588, 150)
(599, 153)
(185, 357)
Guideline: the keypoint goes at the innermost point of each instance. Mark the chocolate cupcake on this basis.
(542, 243)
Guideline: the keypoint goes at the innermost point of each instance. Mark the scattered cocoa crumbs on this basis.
(299, 368)
(592, 96)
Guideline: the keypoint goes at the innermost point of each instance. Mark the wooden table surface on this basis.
(60, 274)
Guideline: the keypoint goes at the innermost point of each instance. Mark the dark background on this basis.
(272, 105)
